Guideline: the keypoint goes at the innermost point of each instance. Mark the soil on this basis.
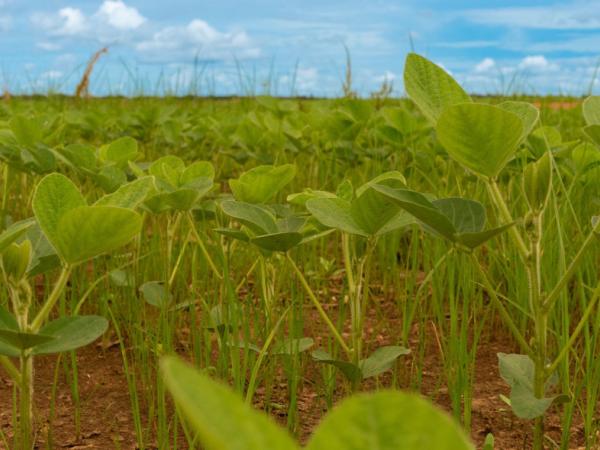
(107, 423)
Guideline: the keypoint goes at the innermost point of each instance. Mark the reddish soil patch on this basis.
(556, 106)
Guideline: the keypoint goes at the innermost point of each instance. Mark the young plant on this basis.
(78, 233)
(387, 420)
(484, 138)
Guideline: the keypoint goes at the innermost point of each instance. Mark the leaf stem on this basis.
(59, 287)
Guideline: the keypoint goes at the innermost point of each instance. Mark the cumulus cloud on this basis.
(197, 38)
(537, 63)
(112, 18)
(485, 65)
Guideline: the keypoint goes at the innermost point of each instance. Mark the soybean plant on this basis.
(77, 233)
(483, 139)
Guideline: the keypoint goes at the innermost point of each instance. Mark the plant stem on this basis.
(501, 309)
(496, 196)
(205, 252)
(52, 299)
(320, 309)
(11, 369)
(25, 402)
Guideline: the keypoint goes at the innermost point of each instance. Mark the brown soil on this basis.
(107, 423)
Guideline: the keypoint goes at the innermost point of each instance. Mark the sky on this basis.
(296, 47)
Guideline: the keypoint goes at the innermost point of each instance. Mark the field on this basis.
(303, 252)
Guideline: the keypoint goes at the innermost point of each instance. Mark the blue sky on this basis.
(294, 46)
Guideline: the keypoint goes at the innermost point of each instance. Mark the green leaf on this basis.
(167, 169)
(381, 360)
(591, 110)
(262, 183)
(120, 151)
(525, 405)
(419, 206)
(220, 418)
(388, 420)
(300, 198)
(16, 259)
(351, 371)
(54, 196)
(473, 240)
(593, 132)
(81, 157)
(13, 233)
(481, 137)
(130, 195)
(22, 340)
(89, 231)
(277, 242)
(537, 182)
(155, 293)
(27, 131)
(256, 217)
(335, 213)
(8, 322)
(430, 87)
(467, 216)
(70, 333)
(528, 114)
(196, 171)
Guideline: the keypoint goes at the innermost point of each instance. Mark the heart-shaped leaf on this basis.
(352, 372)
(54, 196)
(335, 213)
(257, 218)
(155, 293)
(120, 151)
(528, 114)
(593, 132)
(85, 232)
(70, 333)
(430, 87)
(220, 418)
(481, 137)
(395, 421)
(262, 183)
(130, 195)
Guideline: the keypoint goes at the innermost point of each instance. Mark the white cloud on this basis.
(107, 24)
(119, 15)
(386, 77)
(52, 74)
(577, 15)
(197, 38)
(537, 63)
(485, 65)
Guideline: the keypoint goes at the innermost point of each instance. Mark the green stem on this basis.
(320, 309)
(500, 307)
(59, 287)
(25, 402)
(10, 369)
(205, 252)
(496, 196)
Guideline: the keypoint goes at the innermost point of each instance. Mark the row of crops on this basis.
(334, 246)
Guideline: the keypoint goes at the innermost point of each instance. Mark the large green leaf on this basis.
(120, 151)
(220, 418)
(130, 195)
(351, 371)
(481, 137)
(277, 242)
(22, 340)
(262, 183)
(70, 333)
(54, 196)
(593, 132)
(591, 110)
(475, 239)
(528, 114)
(430, 87)
(419, 206)
(335, 213)
(467, 216)
(256, 217)
(388, 420)
(88, 231)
